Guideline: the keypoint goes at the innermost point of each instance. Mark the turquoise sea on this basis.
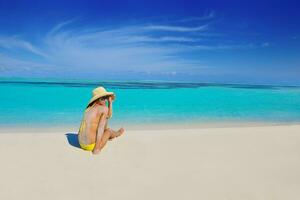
(35, 102)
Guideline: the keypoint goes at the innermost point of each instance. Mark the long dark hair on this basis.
(93, 103)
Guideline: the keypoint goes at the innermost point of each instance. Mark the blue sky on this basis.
(205, 41)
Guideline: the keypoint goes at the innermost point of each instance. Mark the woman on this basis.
(93, 132)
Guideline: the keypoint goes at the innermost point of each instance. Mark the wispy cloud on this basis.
(161, 39)
(59, 26)
(224, 47)
(18, 67)
(16, 43)
(176, 28)
(208, 16)
(159, 49)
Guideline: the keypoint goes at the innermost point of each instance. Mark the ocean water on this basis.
(28, 102)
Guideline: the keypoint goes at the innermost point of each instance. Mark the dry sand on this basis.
(239, 163)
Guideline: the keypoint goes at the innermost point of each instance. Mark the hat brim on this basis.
(102, 95)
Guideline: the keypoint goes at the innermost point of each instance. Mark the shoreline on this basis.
(42, 128)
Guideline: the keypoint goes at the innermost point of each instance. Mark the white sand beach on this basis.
(209, 163)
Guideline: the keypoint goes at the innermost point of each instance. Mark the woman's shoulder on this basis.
(97, 109)
(101, 109)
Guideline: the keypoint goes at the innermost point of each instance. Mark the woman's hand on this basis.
(110, 99)
(110, 107)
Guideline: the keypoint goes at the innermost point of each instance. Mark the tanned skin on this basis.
(100, 116)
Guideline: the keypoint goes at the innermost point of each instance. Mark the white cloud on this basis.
(59, 26)
(16, 43)
(157, 49)
(161, 39)
(18, 67)
(176, 28)
(224, 47)
(207, 16)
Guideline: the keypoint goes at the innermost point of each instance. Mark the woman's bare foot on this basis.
(117, 133)
(96, 151)
(120, 131)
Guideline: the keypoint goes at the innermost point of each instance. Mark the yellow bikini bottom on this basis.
(88, 147)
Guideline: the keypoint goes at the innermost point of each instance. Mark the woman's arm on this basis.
(110, 107)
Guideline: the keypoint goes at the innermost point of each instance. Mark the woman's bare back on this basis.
(90, 123)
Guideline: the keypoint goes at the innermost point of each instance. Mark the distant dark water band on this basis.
(142, 85)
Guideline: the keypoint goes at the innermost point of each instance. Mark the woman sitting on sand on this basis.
(93, 132)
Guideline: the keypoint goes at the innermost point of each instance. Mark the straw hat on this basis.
(100, 92)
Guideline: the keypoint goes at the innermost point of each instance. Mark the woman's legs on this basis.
(108, 134)
(116, 133)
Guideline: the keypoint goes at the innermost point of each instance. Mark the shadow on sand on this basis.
(73, 139)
